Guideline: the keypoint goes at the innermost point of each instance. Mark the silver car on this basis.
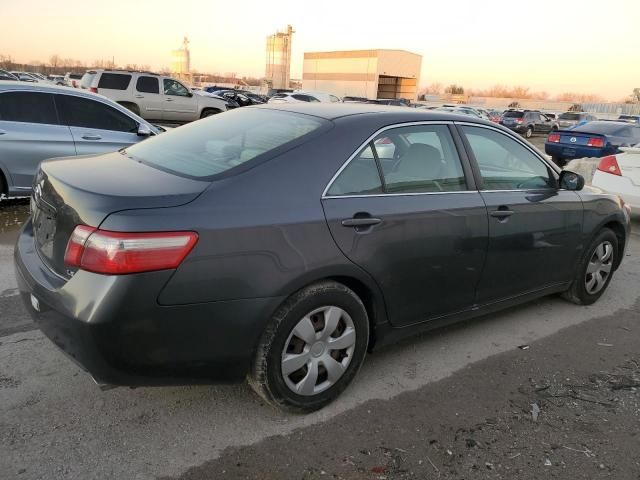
(43, 121)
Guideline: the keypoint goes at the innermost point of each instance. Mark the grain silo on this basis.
(181, 60)
(278, 68)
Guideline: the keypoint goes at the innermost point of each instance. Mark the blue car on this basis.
(594, 139)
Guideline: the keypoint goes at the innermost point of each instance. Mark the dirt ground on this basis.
(567, 406)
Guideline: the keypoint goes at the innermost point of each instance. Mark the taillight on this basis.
(595, 142)
(117, 253)
(553, 138)
(609, 165)
(519, 120)
(93, 90)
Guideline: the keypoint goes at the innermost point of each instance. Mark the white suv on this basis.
(151, 96)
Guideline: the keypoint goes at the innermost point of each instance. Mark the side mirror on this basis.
(571, 180)
(144, 130)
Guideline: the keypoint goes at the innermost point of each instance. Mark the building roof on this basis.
(355, 53)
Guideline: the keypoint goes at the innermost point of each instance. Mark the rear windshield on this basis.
(513, 114)
(87, 78)
(569, 116)
(606, 128)
(221, 142)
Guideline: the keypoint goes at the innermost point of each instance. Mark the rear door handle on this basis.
(92, 137)
(361, 222)
(502, 213)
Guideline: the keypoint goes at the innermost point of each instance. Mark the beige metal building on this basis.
(278, 65)
(181, 60)
(363, 73)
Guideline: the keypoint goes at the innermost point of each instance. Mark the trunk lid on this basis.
(579, 138)
(629, 163)
(85, 190)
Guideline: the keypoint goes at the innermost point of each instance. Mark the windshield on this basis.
(214, 145)
(569, 116)
(513, 114)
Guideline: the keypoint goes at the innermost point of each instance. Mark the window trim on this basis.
(476, 168)
(464, 158)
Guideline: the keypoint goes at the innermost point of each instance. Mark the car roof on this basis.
(335, 110)
(41, 87)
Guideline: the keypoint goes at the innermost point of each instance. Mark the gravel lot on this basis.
(468, 389)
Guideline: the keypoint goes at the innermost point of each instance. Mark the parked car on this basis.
(73, 79)
(620, 174)
(268, 242)
(571, 119)
(242, 99)
(527, 122)
(39, 76)
(396, 102)
(4, 75)
(39, 121)
(25, 77)
(495, 115)
(153, 97)
(56, 79)
(273, 91)
(300, 96)
(594, 139)
(630, 118)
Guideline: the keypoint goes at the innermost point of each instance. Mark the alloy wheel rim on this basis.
(318, 351)
(599, 268)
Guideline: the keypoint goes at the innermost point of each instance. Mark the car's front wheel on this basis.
(529, 132)
(595, 270)
(312, 348)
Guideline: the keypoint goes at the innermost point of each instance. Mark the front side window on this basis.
(418, 159)
(359, 177)
(86, 113)
(175, 88)
(114, 81)
(505, 164)
(214, 145)
(29, 107)
(148, 85)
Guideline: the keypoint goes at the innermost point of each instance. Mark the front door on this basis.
(29, 133)
(96, 127)
(403, 211)
(534, 228)
(179, 104)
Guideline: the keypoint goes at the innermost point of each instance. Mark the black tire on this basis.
(208, 112)
(266, 376)
(578, 292)
(529, 132)
(4, 188)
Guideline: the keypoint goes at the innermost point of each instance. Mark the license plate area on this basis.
(44, 227)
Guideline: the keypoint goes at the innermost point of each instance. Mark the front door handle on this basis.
(92, 137)
(139, 96)
(169, 99)
(361, 222)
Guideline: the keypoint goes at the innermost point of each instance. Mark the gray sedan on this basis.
(280, 243)
(39, 122)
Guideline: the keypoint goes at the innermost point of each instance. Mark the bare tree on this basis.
(55, 60)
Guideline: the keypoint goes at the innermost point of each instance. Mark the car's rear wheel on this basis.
(209, 112)
(595, 270)
(529, 132)
(312, 348)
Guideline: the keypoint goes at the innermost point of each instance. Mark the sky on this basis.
(584, 46)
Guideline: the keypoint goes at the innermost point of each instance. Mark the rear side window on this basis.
(28, 107)
(359, 177)
(148, 85)
(85, 113)
(305, 98)
(114, 81)
(214, 145)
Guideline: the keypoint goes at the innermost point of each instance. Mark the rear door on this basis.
(95, 126)
(534, 228)
(412, 221)
(29, 133)
(179, 105)
(147, 97)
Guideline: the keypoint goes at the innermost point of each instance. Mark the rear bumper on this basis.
(516, 128)
(621, 186)
(564, 151)
(113, 327)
